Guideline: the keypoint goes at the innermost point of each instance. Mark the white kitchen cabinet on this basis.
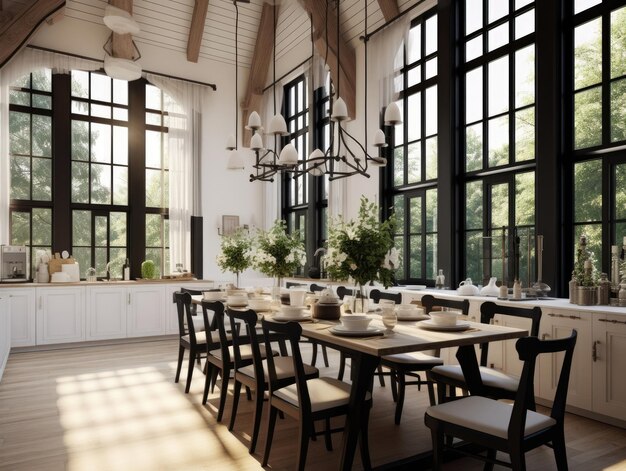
(559, 324)
(60, 315)
(609, 365)
(22, 308)
(106, 312)
(146, 311)
(5, 331)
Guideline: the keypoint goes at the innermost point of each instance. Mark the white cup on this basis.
(296, 297)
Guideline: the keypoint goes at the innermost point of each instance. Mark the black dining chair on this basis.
(316, 289)
(410, 364)
(492, 383)
(498, 426)
(376, 295)
(255, 376)
(307, 400)
(195, 342)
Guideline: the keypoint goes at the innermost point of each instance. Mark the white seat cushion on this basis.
(244, 350)
(487, 416)
(325, 393)
(417, 358)
(492, 378)
(284, 369)
(201, 337)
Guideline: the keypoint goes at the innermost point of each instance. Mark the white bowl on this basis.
(212, 295)
(237, 300)
(355, 321)
(292, 312)
(444, 317)
(406, 309)
(259, 304)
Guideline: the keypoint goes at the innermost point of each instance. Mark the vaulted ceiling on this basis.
(167, 23)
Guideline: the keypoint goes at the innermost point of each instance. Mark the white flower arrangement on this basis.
(278, 254)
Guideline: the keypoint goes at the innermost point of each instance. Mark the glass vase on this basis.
(359, 300)
(278, 282)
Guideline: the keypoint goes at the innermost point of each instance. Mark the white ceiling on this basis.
(165, 23)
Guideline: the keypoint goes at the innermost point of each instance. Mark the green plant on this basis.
(276, 253)
(148, 270)
(235, 255)
(363, 249)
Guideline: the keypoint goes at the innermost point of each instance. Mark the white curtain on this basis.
(386, 50)
(26, 61)
(185, 112)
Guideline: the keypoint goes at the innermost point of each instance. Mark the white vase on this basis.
(491, 289)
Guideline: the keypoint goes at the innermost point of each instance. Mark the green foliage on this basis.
(363, 249)
(276, 253)
(148, 270)
(236, 252)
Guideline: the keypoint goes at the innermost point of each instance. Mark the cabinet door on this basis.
(106, 313)
(146, 314)
(5, 332)
(60, 315)
(171, 315)
(22, 309)
(609, 365)
(558, 324)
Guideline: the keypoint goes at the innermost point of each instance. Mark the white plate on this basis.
(280, 318)
(413, 317)
(430, 325)
(237, 304)
(341, 330)
(413, 287)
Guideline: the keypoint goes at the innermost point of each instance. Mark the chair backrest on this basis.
(316, 288)
(249, 317)
(342, 292)
(377, 295)
(489, 309)
(529, 348)
(183, 308)
(292, 284)
(218, 319)
(429, 302)
(292, 332)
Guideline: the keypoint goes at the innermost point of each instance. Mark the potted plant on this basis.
(235, 253)
(362, 249)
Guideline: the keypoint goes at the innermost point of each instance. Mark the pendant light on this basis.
(340, 147)
(235, 162)
(267, 162)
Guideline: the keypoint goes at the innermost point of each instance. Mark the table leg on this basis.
(363, 367)
(466, 355)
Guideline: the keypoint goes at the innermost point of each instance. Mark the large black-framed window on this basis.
(594, 141)
(410, 185)
(305, 198)
(81, 156)
(498, 139)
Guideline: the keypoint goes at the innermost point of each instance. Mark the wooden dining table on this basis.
(405, 337)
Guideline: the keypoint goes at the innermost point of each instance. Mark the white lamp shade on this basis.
(340, 110)
(278, 125)
(316, 158)
(120, 21)
(230, 143)
(379, 139)
(256, 143)
(392, 114)
(122, 69)
(254, 121)
(288, 155)
(235, 162)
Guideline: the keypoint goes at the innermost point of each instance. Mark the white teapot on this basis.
(466, 288)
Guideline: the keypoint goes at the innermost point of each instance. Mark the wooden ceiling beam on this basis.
(345, 77)
(18, 25)
(389, 8)
(196, 30)
(259, 67)
(122, 44)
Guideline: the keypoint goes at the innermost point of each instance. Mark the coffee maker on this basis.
(13, 264)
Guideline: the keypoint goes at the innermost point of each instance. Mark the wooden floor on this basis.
(117, 407)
